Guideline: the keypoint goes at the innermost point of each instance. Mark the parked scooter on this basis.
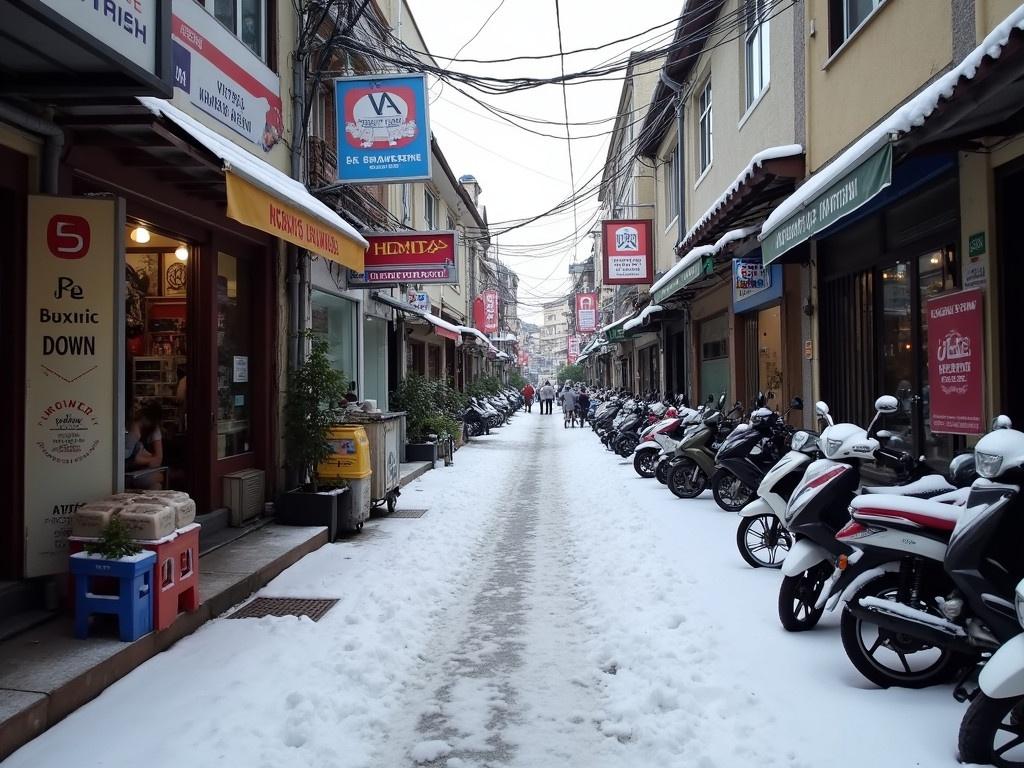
(746, 456)
(951, 599)
(694, 459)
(992, 731)
(818, 509)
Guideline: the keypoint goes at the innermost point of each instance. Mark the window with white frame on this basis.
(245, 19)
(671, 180)
(705, 126)
(757, 49)
(430, 203)
(846, 17)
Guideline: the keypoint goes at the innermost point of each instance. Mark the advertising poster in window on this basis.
(627, 252)
(220, 75)
(586, 312)
(74, 342)
(383, 128)
(956, 348)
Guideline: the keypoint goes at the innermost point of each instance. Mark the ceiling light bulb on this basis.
(140, 235)
(181, 252)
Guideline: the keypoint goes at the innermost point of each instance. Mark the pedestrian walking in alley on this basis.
(583, 405)
(547, 397)
(569, 405)
(528, 393)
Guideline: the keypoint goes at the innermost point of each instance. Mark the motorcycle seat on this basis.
(929, 485)
(906, 511)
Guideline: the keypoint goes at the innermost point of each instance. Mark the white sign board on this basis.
(74, 429)
(128, 27)
(241, 369)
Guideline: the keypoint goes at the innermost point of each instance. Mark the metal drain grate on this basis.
(284, 606)
(407, 513)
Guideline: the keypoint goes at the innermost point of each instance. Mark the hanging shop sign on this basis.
(844, 196)
(408, 257)
(386, 133)
(524, 359)
(74, 429)
(627, 252)
(573, 349)
(419, 300)
(754, 284)
(487, 318)
(956, 363)
(586, 312)
(221, 76)
(130, 28)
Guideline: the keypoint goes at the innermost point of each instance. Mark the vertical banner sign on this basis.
(490, 324)
(627, 252)
(574, 349)
(956, 363)
(383, 128)
(74, 429)
(586, 312)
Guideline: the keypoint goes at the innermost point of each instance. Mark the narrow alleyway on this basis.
(549, 609)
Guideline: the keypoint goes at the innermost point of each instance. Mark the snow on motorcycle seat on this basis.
(907, 511)
(929, 485)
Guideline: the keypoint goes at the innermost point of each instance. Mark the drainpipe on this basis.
(296, 274)
(53, 143)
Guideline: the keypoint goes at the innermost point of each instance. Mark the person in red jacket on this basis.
(528, 393)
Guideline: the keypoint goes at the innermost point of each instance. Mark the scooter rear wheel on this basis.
(687, 480)
(992, 731)
(661, 472)
(797, 597)
(884, 657)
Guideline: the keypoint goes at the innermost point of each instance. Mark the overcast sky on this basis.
(523, 174)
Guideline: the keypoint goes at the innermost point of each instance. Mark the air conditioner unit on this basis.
(243, 494)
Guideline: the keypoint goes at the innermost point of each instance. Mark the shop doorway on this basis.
(157, 360)
(714, 358)
(1010, 199)
(762, 335)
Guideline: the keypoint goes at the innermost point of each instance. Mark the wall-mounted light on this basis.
(140, 235)
(181, 252)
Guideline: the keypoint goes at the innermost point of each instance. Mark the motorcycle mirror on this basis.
(887, 404)
(883, 434)
(797, 403)
(1002, 421)
(821, 408)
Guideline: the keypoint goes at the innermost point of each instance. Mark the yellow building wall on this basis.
(988, 13)
(899, 49)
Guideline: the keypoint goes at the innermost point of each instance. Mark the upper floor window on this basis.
(430, 203)
(845, 17)
(757, 49)
(705, 127)
(245, 19)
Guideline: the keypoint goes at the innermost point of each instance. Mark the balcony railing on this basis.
(323, 163)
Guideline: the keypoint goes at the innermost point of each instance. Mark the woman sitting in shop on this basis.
(144, 449)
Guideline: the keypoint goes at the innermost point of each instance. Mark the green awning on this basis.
(841, 198)
(698, 268)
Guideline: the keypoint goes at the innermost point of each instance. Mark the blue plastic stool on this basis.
(133, 603)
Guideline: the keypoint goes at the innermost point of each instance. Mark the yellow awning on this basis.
(254, 207)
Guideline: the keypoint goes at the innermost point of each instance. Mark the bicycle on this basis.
(570, 417)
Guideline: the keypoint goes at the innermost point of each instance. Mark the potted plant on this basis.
(312, 406)
(428, 407)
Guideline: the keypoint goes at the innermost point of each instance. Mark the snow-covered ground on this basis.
(550, 609)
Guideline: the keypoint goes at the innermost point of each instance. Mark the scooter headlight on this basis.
(832, 446)
(799, 440)
(1018, 602)
(988, 464)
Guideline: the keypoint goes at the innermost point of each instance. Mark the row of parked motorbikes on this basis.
(484, 413)
(926, 569)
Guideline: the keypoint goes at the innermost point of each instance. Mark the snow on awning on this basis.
(637, 321)
(763, 164)
(261, 196)
(691, 267)
(479, 335)
(791, 222)
(440, 327)
(617, 323)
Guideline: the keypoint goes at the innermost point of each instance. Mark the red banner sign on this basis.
(627, 252)
(586, 312)
(956, 363)
(524, 359)
(408, 257)
(574, 349)
(489, 323)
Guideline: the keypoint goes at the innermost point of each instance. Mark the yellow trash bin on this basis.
(350, 456)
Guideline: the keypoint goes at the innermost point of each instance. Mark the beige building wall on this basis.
(988, 13)
(738, 132)
(666, 225)
(873, 72)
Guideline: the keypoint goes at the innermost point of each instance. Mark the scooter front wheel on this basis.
(644, 462)
(992, 732)
(763, 541)
(661, 471)
(729, 491)
(797, 597)
(687, 480)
